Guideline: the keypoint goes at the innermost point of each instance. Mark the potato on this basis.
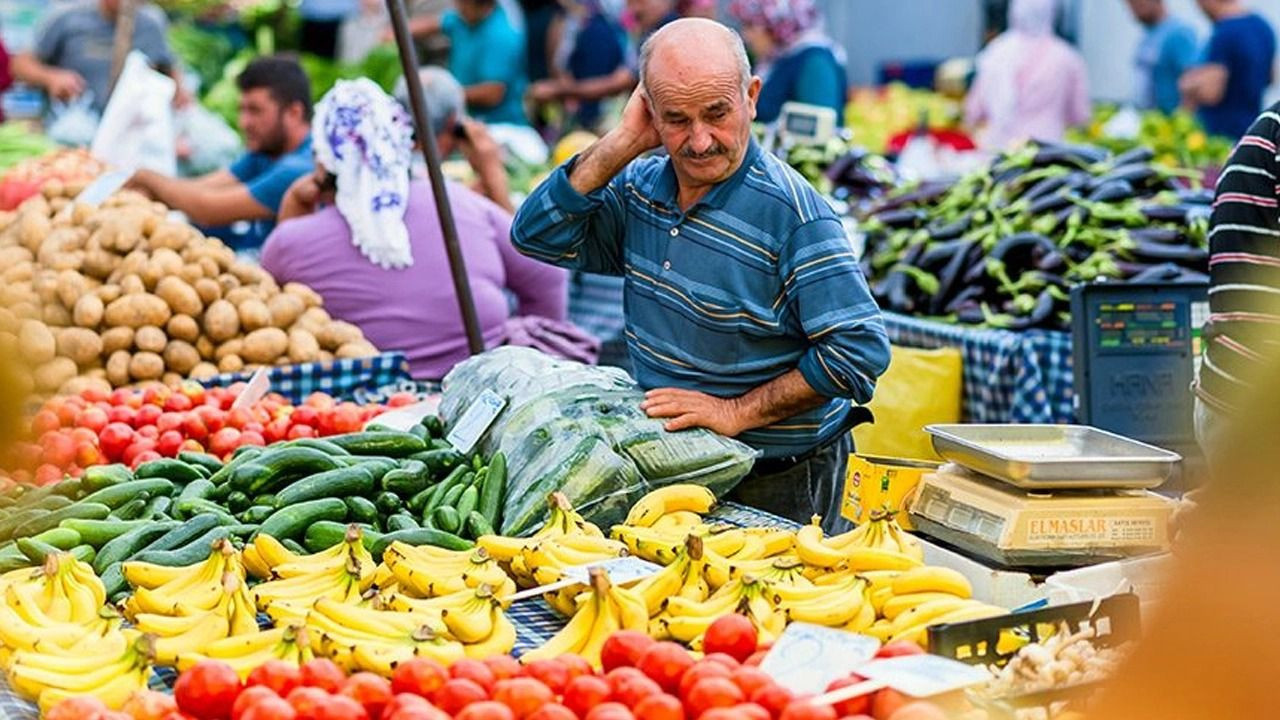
(238, 295)
(169, 234)
(164, 263)
(33, 226)
(27, 310)
(234, 346)
(230, 364)
(191, 273)
(205, 347)
(118, 368)
(221, 321)
(56, 315)
(315, 318)
(265, 345)
(120, 338)
(247, 274)
(137, 310)
(52, 188)
(336, 334)
(82, 345)
(253, 314)
(71, 287)
(362, 348)
(209, 267)
(77, 385)
(132, 285)
(285, 310)
(204, 370)
(181, 297)
(108, 293)
(228, 283)
(150, 338)
(303, 347)
(51, 375)
(180, 357)
(326, 356)
(170, 379)
(36, 343)
(21, 272)
(8, 321)
(183, 327)
(146, 366)
(308, 296)
(87, 312)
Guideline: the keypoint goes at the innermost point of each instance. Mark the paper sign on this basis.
(103, 187)
(475, 421)
(403, 418)
(254, 391)
(621, 571)
(806, 658)
(924, 675)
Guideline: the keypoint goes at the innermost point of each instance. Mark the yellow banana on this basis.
(114, 647)
(925, 612)
(850, 585)
(663, 584)
(31, 681)
(502, 548)
(571, 638)
(899, 604)
(860, 559)
(254, 563)
(18, 635)
(974, 611)
(865, 618)
(752, 548)
(776, 540)
(272, 551)
(880, 630)
(473, 622)
(932, 579)
(83, 574)
(670, 499)
(607, 623)
(215, 626)
(812, 551)
(833, 611)
(880, 597)
(148, 575)
(113, 693)
(633, 611)
(499, 642)
(875, 578)
(686, 628)
(241, 645)
(680, 520)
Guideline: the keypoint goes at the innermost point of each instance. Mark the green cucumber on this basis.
(190, 507)
(419, 501)
(338, 483)
(11, 558)
(390, 443)
(476, 525)
(223, 474)
(388, 503)
(447, 519)
(199, 488)
(456, 478)
(441, 444)
(204, 460)
(117, 495)
(84, 553)
(83, 509)
(158, 508)
(169, 469)
(277, 467)
(293, 521)
(100, 532)
(319, 444)
(190, 553)
(439, 462)
(451, 496)
(113, 581)
(36, 551)
(494, 489)
(15, 519)
(405, 482)
(361, 510)
(293, 546)
(401, 521)
(257, 514)
(100, 476)
(264, 499)
(378, 466)
(243, 531)
(377, 427)
(434, 425)
(39, 547)
(184, 533)
(467, 501)
(131, 510)
(127, 545)
(420, 431)
(325, 534)
(237, 502)
(421, 536)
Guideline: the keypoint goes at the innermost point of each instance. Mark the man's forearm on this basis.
(785, 396)
(601, 162)
(29, 70)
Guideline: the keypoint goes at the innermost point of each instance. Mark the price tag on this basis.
(257, 387)
(476, 421)
(924, 675)
(102, 187)
(806, 658)
(621, 571)
(403, 418)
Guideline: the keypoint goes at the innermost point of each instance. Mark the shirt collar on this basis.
(665, 188)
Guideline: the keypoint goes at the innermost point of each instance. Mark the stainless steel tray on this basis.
(1048, 457)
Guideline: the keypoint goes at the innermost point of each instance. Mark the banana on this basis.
(880, 597)
(502, 548)
(571, 638)
(272, 552)
(376, 622)
(30, 682)
(812, 551)
(665, 583)
(499, 642)
(18, 635)
(776, 540)
(670, 499)
(832, 612)
(430, 577)
(339, 585)
(899, 604)
(607, 623)
(907, 543)
(876, 578)
(21, 599)
(254, 563)
(686, 628)
(474, 621)
(633, 611)
(851, 584)
(382, 658)
(150, 576)
(677, 521)
(716, 605)
(932, 579)
(855, 536)
(215, 626)
(242, 645)
(752, 548)
(84, 602)
(973, 611)
(53, 600)
(244, 616)
(865, 618)
(109, 645)
(113, 693)
(83, 574)
(920, 614)
(866, 558)
(880, 630)
(112, 649)
(168, 625)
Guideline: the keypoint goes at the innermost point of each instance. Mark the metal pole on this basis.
(126, 15)
(418, 106)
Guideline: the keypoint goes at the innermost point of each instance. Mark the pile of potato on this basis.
(118, 293)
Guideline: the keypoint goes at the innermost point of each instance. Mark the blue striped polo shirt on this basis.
(754, 280)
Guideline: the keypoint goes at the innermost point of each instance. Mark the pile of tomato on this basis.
(641, 680)
(134, 425)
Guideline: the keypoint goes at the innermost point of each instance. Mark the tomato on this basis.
(750, 679)
(505, 666)
(151, 432)
(342, 707)
(141, 457)
(169, 443)
(251, 696)
(664, 663)
(94, 394)
(711, 692)
(852, 706)
(421, 676)
(278, 675)
(346, 418)
(88, 454)
(76, 708)
(84, 435)
(239, 417)
(773, 698)
(457, 693)
(169, 421)
(401, 399)
(304, 415)
(475, 671)
(155, 395)
(300, 431)
(307, 701)
(147, 415)
(272, 708)
(624, 648)
(48, 475)
(523, 695)
(756, 658)
(114, 438)
(323, 673)
(609, 711)
(122, 414)
(66, 412)
(276, 430)
(803, 710)
(750, 711)
(93, 418)
(178, 402)
(886, 702)
(149, 705)
(551, 673)
(207, 690)
(485, 710)
(659, 706)
(251, 437)
(733, 635)
(57, 448)
(120, 396)
(319, 401)
(632, 689)
(407, 706)
(224, 441)
(899, 648)
(585, 692)
(213, 418)
(553, 711)
(194, 391)
(191, 446)
(698, 672)
(576, 665)
(371, 691)
(724, 659)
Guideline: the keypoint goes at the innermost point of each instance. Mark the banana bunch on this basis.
(58, 608)
(159, 589)
(563, 522)
(110, 669)
(373, 639)
(685, 577)
(243, 653)
(909, 602)
(844, 603)
(343, 573)
(687, 620)
(879, 544)
(657, 506)
(428, 571)
(604, 609)
(547, 559)
(475, 617)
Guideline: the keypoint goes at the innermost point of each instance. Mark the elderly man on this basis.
(746, 311)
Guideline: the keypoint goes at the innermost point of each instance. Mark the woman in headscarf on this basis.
(366, 237)
(793, 55)
(1029, 85)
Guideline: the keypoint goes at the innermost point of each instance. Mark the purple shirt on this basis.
(415, 309)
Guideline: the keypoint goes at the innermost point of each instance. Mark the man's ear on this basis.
(753, 94)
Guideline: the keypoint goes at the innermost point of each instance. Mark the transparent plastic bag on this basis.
(579, 429)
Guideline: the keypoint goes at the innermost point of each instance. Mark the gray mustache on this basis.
(713, 151)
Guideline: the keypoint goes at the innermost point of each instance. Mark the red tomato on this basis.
(150, 432)
(48, 475)
(918, 710)
(122, 414)
(750, 679)
(278, 675)
(148, 414)
(224, 441)
(505, 666)
(659, 706)
(724, 659)
(342, 707)
(120, 396)
(733, 635)
(853, 706)
(323, 673)
(710, 693)
(585, 692)
(207, 690)
(276, 430)
(319, 401)
(239, 417)
(773, 698)
(632, 689)
(84, 435)
(458, 693)
(609, 711)
(750, 711)
(698, 672)
(304, 415)
(524, 695)
(756, 658)
(114, 438)
(57, 448)
(251, 696)
(149, 705)
(169, 443)
(420, 676)
(76, 708)
(485, 710)
(886, 702)
(408, 706)
(576, 665)
(88, 454)
(553, 711)
(899, 648)
(66, 412)
(802, 710)
(95, 394)
(178, 402)
(155, 395)
(307, 701)
(252, 437)
(169, 421)
(624, 648)
(27, 455)
(475, 671)
(551, 673)
(272, 708)
(194, 428)
(213, 418)
(664, 663)
(194, 391)
(93, 418)
(401, 399)
(301, 431)
(371, 691)
(142, 456)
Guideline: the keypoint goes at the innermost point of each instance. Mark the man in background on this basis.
(275, 119)
(1167, 50)
(1227, 87)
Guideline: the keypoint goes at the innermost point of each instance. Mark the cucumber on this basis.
(467, 501)
(46, 543)
(204, 460)
(242, 531)
(293, 546)
(256, 514)
(15, 519)
(100, 532)
(325, 534)
(223, 474)
(169, 469)
(447, 519)
(378, 466)
(361, 510)
(434, 425)
(190, 553)
(455, 478)
(190, 507)
(439, 462)
(36, 551)
(419, 501)
(388, 503)
(378, 427)
(401, 521)
(440, 444)
(264, 499)
(117, 495)
(158, 508)
(293, 521)
(277, 466)
(475, 525)
(405, 482)
(421, 536)
(84, 553)
(131, 510)
(113, 581)
(83, 509)
(429, 521)
(125, 546)
(237, 502)
(494, 489)
(390, 443)
(338, 483)
(11, 558)
(183, 534)
(199, 488)
(318, 444)
(53, 502)
(101, 476)
(451, 496)
(420, 431)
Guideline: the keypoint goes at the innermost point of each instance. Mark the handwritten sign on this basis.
(806, 658)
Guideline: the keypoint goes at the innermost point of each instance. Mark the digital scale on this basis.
(801, 124)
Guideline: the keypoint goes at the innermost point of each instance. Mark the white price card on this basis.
(807, 658)
(621, 571)
(256, 389)
(476, 421)
(924, 675)
(403, 418)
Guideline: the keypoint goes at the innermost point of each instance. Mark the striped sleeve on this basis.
(824, 288)
(561, 226)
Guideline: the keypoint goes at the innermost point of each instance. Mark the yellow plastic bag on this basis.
(921, 387)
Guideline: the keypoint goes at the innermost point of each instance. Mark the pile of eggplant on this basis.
(1000, 247)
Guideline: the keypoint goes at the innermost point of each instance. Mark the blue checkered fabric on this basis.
(1009, 377)
(340, 378)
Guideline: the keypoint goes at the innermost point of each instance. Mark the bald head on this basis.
(693, 47)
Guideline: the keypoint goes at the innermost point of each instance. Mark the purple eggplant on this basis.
(1111, 191)
(1161, 235)
(1195, 196)
(1166, 213)
(1052, 202)
(1022, 251)
(1180, 254)
(950, 275)
(939, 230)
(902, 218)
(1139, 154)
(1082, 156)
(1052, 262)
(968, 296)
(1137, 175)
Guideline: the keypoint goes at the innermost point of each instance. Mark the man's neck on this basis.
(1233, 10)
(295, 140)
(688, 198)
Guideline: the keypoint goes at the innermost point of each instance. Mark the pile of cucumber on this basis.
(407, 486)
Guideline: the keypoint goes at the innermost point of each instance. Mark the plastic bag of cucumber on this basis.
(579, 430)
(408, 486)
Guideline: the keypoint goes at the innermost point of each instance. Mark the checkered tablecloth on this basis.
(341, 378)
(1009, 377)
(535, 621)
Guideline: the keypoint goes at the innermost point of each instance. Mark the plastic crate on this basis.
(1144, 577)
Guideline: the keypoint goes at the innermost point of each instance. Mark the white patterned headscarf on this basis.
(364, 138)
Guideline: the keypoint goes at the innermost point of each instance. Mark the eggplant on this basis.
(1052, 202)
(1039, 315)
(1139, 154)
(1022, 251)
(1181, 254)
(926, 193)
(1157, 273)
(968, 296)
(1195, 196)
(937, 254)
(951, 230)
(1166, 213)
(896, 295)
(971, 314)
(1111, 191)
(1162, 235)
(1138, 175)
(1044, 187)
(1082, 156)
(904, 217)
(1052, 262)
(949, 277)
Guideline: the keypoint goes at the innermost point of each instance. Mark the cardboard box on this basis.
(881, 484)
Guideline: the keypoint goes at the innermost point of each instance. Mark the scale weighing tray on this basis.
(1054, 457)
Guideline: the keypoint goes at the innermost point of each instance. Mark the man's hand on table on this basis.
(689, 409)
(64, 85)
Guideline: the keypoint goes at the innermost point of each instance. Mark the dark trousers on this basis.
(798, 488)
